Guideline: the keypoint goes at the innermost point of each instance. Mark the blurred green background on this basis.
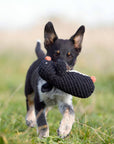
(95, 115)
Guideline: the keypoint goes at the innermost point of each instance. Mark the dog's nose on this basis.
(60, 60)
(67, 66)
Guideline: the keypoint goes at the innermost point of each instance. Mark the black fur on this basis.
(57, 49)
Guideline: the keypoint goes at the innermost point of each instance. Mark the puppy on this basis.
(38, 101)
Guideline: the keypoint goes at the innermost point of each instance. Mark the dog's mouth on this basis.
(68, 67)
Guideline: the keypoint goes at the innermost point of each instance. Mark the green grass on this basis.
(94, 116)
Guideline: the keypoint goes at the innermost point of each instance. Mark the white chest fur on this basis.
(53, 97)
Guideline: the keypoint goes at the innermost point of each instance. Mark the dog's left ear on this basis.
(77, 38)
(49, 35)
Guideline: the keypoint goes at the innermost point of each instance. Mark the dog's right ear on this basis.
(49, 35)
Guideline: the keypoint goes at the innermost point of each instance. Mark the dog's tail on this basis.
(39, 52)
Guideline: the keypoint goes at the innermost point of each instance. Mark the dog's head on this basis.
(59, 49)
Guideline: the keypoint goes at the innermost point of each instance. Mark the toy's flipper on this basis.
(38, 50)
(46, 87)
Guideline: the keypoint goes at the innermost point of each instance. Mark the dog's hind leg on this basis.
(67, 120)
(30, 116)
(29, 93)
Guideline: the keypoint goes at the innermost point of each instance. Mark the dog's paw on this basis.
(43, 133)
(31, 118)
(66, 125)
(64, 131)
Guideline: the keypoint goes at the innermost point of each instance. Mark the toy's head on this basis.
(59, 49)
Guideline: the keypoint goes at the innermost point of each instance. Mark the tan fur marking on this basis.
(30, 99)
(66, 124)
(42, 127)
(78, 40)
(52, 36)
(44, 132)
(30, 117)
(49, 38)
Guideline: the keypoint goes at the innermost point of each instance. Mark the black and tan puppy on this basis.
(38, 100)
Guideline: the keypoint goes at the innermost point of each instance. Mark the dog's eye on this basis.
(57, 53)
(69, 54)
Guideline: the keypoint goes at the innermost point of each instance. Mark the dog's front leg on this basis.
(42, 126)
(67, 120)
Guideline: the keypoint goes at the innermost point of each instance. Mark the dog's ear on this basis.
(77, 38)
(49, 35)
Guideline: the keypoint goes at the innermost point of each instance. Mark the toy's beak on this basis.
(93, 79)
(48, 58)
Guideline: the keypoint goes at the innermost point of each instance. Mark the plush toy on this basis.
(56, 74)
(72, 82)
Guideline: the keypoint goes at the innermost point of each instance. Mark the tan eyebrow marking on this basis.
(58, 52)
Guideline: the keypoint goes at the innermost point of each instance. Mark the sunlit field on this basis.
(94, 120)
